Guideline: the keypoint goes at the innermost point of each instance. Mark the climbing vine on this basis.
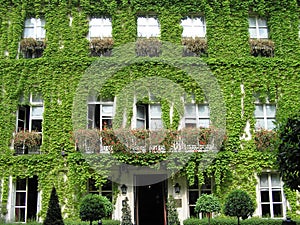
(66, 57)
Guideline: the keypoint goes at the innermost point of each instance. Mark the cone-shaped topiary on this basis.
(53, 216)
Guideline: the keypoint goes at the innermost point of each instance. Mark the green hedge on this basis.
(104, 222)
(233, 221)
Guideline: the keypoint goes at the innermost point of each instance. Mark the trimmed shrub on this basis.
(53, 216)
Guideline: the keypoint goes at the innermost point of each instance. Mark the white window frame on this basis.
(265, 115)
(193, 26)
(198, 117)
(103, 24)
(257, 28)
(201, 190)
(271, 188)
(149, 23)
(148, 116)
(32, 105)
(38, 27)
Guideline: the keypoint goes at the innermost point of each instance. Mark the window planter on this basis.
(262, 47)
(265, 140)
(194, 46)
(27, 142)
(151, 47)
(101, 46)
(32, 48)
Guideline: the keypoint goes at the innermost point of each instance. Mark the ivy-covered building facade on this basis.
(143, 100)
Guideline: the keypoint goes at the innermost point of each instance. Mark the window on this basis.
(271, 196)
(193, 27)
(29, 119)
(195, 191)
(265, 116)
(100, 114)
(34, 28)
(100, 28)
(26, 199)
(148, 27)
(196, 115)
(149, 117)
(258, 28)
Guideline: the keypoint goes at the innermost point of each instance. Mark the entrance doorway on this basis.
(150, 200)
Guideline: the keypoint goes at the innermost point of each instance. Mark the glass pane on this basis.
(193, 213)
(19, 215)
(37, 110)
(270, 124)
(190, 111)
(276, 195)
(260, 124)
(264, 196)
(106, 123)
(95, 32)
(156, 124)
(253, 33)
(107, 186)
(259, 111)
(204, 122)
(206, 192)
(107, 195)
(264, 182)
(190, 122)
(155, 111)
(277, 210)
(275, 180)
(252, 22)
(36, 125)
(29, 33)
(140, 124)
(193, 196)
(203, 110)
(141, 111)
(20, 198)
(271, 110)
(29, 22)
(263, 32)
(92, 186)
(265, 210)
(261, 22)
(37, 97)
(21, 184)
(107, 109)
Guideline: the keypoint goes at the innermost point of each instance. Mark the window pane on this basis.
(275, 180)
(270, 124)
(277, 209)
(264, 182)
(106, 123)
(271, 110)
(253, 33)
(156, 124)
(37, 110)
(190, 123)
(107, 109)
(92, 186)
(107, 195)
(36, 125)
(264, 196)
(263, 32)
(276, 195)
(155, 111)
(203, 110)
(193, 196)
(260, 124)
(261, 22)
(141, 111)
(19, 215)
(29, 33)
(193, 213)
(252, 22)
(204, 123)
(21, 184)
(20, 198)
(190, 110)
(140, 124)
(265, 210)
(37, 97)
(259, 111)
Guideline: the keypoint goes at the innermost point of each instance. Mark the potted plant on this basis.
(265, 140)
(262, 47)
(194, 46)
(101, 46)
(27, 142)
(32, 48)
(148, 47)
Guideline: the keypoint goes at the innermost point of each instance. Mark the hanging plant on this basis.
(148, 47)
(27, 141)
(194, 46)
(32, 48)
(101, 46)
(262, 47)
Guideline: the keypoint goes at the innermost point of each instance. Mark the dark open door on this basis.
(150, 201)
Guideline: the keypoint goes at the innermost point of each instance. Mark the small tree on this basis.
(53, 216)
(94, 207)
(126, 213)
(172, 212)
(238, 203)
(207, 204)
